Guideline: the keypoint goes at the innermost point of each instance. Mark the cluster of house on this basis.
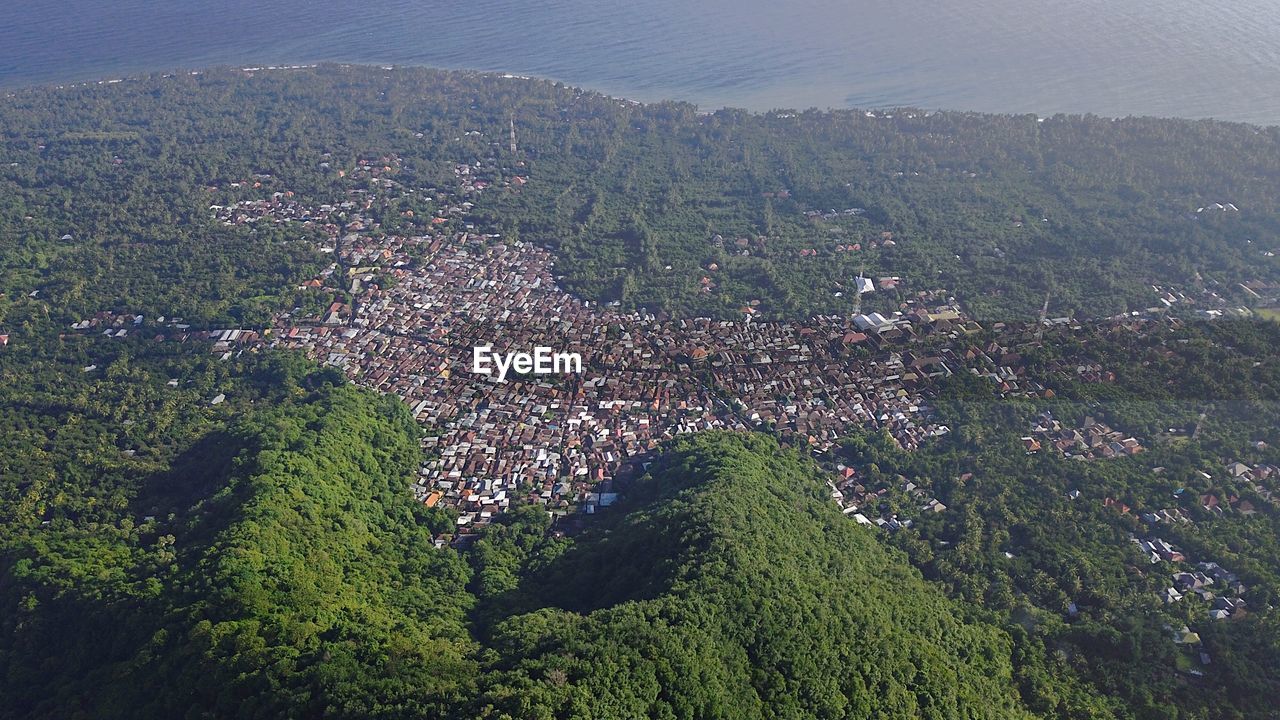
(858, 501)
(1202, 582)
(408, 309)
(1262, 479)
(1166, 515)
(421, 303)
(1170, 296)
(1001, 360)
(223, 342)
(279, 208)
(830, 214)
(1213, 299)
(1156, 550)
(745, 246)
(561, 440)
(1091, 441)
(111, 324)
(1220, 589)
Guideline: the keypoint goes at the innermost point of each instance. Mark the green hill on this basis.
(729, 586)
(305, 584)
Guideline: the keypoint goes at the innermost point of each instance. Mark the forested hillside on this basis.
(728, 586)
(293, 577)
(296, 577)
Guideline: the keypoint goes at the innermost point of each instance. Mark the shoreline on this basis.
(8, 90)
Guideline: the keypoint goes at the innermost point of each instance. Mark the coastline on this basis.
(12, 90)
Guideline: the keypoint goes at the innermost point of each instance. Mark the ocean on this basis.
(1180, 58)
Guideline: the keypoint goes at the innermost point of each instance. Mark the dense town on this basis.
(561, 440)
(421, 303)
(407, 311)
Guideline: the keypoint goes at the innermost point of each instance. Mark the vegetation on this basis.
(289, 572)
(744, 593)
(997, 209)
(188, 536)
(301, 580)
(1045, 542)
(307, 585)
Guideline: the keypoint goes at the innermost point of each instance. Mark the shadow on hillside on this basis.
(633, 551)
(194, 476)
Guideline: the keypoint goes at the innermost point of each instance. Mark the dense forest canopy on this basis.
(291, 575)
(305, 584)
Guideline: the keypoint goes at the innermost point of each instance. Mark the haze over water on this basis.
(1183, 58)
